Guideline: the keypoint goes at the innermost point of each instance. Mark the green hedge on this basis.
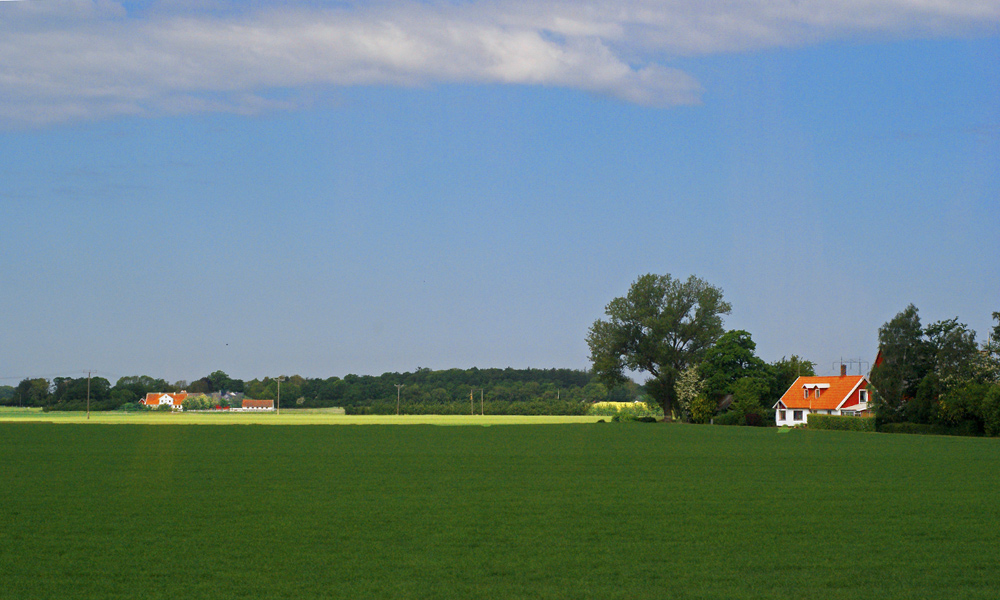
(763, 417)
(840, 423)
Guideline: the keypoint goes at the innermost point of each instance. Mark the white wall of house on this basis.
(790, 414)
(791, 421)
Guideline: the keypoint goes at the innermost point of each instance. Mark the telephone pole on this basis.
(398, 387)
(88, 395)
(277, 406)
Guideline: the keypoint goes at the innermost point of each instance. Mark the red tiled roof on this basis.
(258, 403)
(153, 398)
(841, 389)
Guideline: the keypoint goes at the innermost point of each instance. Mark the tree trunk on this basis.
(668, 410)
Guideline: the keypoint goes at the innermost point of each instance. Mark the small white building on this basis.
(837, 395)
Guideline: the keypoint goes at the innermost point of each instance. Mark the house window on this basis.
(805, 392)
(797, 415)
(781, 416)
(863, 396)
(817, 392)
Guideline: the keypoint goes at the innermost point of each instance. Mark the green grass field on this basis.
(561, 511)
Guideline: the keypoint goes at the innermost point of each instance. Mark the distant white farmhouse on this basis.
(158, 399)
(837, 395)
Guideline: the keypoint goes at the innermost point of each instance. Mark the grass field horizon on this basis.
(295, 416)
(613, 510)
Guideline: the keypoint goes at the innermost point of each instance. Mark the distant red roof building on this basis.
(258, 404)
(156, 399)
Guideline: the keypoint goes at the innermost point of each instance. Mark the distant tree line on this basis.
(69, 393)
(424, 391)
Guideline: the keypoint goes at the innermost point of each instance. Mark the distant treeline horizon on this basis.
(493, 390)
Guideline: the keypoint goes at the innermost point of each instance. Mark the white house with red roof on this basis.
(158, 399)
(258, 404)
(837, 395)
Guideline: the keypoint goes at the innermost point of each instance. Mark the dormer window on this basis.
(817, 392)
(805, 392)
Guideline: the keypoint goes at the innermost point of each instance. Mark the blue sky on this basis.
(332, 188)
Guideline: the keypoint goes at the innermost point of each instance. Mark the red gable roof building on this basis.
(258, 404)
(844, 395)
(157, 399)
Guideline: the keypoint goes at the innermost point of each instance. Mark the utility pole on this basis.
(472, 403)
(482, 412)
(277, 406)
(88, 395)
(398, 387)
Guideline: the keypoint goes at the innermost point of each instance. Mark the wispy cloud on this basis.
(86, 59)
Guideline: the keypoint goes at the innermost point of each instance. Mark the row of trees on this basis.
(69, 393)
(938, 375)
(503, 391)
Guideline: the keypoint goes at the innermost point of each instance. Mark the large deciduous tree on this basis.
(661, 327)
(905, 362)
(994, 337)
(33, 392)
(920, 365)
(731, 359)
(953, 351)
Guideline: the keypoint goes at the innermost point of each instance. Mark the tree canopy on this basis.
(731, 359)
(921, 365)
(660, 327)
(904, 362)
(787, 370)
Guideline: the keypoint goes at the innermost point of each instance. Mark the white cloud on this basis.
(73, 59)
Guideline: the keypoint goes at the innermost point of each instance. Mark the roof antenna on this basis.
(849, 363)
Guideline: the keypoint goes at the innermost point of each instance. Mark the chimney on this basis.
(843, 370)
